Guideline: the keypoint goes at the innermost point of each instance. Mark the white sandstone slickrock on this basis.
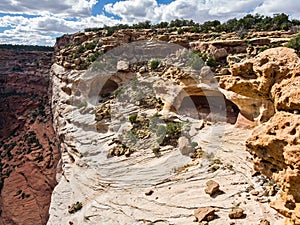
(112, 189)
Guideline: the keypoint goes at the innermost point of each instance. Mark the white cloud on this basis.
(66, 8)
(133, 10)
(290, 7)
(19, 36)
(12, 21)
(200, 11)
(43, 29)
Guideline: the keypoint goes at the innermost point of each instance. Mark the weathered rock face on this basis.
(275, 146)
(29, 154)
(273, 78)
(120, 132)
(260, 79)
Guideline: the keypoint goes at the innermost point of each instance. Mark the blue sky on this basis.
(39, 22)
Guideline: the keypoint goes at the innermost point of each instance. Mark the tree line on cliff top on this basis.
(249, 22)
(26, 47)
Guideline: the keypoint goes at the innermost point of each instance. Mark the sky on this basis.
(39, 22)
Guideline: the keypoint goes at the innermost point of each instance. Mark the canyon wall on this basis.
(28, 144)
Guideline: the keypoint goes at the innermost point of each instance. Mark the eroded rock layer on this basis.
(140, 138)
(29, 153)
(272, 77)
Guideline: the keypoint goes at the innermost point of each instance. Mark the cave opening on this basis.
(208, 107)
(107, 90)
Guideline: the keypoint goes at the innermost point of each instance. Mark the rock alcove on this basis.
(209, 107)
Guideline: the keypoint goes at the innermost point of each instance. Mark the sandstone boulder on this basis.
(275, 146)
(212, 187)
(204, 214)
(236, 213)
(184, 145)
(123, 66)
(286, 94)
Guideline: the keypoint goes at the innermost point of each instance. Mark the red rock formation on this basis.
(29, 154)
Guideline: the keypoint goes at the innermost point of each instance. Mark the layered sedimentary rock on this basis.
(273, 78)
(29, 154)
(140, 138)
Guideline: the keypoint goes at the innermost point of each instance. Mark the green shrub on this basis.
(82, 104)
(180, 31)
(90, 46)
(75, 207)
(195, 29)
(194, 144)
(196, 62)
(81, 49)
(174, 128)
(93, 57)
(154, 63)
(132, 118)
(211, 62)
(294, 43)
(169, 133)
(203, 56)
(156, 150)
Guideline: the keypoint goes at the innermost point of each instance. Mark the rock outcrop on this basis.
(120, 122)
(273, 78)
(259, 81)
(275, 146)
(142, 125)
(29, 154)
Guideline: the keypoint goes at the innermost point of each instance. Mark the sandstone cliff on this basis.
(29, 154)
(119, 169)
(273, 78)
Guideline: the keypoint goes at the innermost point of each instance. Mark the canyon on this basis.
(129, 128)
(29, 151)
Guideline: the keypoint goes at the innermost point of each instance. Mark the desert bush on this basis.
(295, 43)
(132, 118)
(80, 49)
(90, 45)
(154, 63)
(75, 207)
(156, 150)
(180, 31)
(211, 62)
(82, 104)
(169, 133)
(194, 144)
